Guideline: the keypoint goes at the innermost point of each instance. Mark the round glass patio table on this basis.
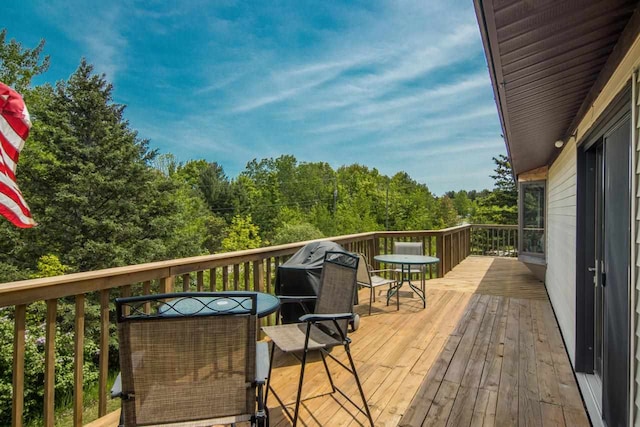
(406, 261)
(225, 303)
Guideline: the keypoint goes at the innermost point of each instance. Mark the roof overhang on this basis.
(548, 60)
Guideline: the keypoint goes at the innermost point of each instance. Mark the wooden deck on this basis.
(486, 351)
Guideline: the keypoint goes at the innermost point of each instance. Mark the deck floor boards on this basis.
(486, 351)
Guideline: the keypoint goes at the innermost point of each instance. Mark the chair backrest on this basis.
(337, 288)
(364, 275)
(189, 362)
(408, 248)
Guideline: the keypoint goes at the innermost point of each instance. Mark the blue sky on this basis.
(395, 85)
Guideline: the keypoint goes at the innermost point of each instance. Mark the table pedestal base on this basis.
(406, 278)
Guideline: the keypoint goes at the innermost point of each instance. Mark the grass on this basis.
(64, 413)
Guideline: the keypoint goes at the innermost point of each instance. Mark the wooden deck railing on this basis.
(494, 240)
(243, 270)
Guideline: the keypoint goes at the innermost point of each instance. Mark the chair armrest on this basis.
(285, 299)
(262, 362)
(382, 271)
(116, 389)
(330, 316)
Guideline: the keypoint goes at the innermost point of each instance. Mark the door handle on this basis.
(596, 272)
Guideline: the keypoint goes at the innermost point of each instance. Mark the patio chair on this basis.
(326, 328)
(411, 248)
(368, 278)
(192, 369)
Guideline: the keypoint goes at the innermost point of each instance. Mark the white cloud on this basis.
(392, 84)
(96, 28)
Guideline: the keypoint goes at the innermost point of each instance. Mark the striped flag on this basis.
(14, 130)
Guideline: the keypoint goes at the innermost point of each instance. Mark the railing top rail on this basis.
(28, 291)
(419, 233)
(496, 226)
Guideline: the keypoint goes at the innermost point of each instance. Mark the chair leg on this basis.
(304, 362)
(266, 391)
(424, 291)
(371, 299)
(326, 368)
(355, 374)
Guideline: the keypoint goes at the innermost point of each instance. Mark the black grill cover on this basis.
(300, 276)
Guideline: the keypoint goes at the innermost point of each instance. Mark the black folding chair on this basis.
(185, 361)
(326, 328)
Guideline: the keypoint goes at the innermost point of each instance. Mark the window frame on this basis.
(521, 228)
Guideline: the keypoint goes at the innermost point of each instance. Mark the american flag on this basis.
(14, 130)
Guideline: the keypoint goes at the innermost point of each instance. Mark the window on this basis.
(532, 210)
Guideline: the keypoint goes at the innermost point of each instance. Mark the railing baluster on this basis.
(225, 277)
(78, 361)
(247, 276)
(236, 276)
(200, 281)
(268, 275)
(146, 290)
(185, 282)
(50, 363)
(493, 240)
(104, 352)
(212, 280)
(258, 276)
(126, 292)
(17, 407)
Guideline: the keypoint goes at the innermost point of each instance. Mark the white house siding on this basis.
(635, 276)
(561, 242)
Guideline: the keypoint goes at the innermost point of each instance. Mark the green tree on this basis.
(166, 163)
(501, 205)
(19, 65)
(447, 214)
(49, 265)
(411, 204)
(462, 203)
(110, 206)
(241, 234)
(301, 232)
(216, 189)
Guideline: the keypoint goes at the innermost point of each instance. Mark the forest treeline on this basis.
(103, 198)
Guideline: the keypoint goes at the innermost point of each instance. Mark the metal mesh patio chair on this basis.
(326, 328)
(195, 368)
(411, 248)
(368, 278)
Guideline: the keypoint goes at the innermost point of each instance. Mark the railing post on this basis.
(50, 363)
(166, 285)
(440, 254)
(103, 361)
(450, 252)
(78, 377)
(18, 365)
